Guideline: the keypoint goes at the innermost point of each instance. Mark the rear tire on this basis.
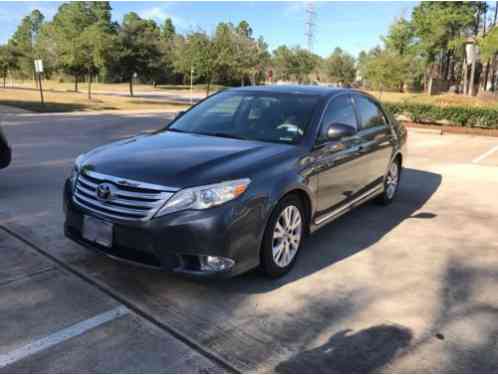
(283, 237)
(391, 183)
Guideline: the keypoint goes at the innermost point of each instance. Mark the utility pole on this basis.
(191, 83)
(310, 25)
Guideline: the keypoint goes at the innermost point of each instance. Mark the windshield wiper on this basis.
(177, 130)
(224, 135)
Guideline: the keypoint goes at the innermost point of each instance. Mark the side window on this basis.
(370, 113)
(340, 110)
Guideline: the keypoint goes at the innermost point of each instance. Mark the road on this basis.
(405, 288)
(166, 96)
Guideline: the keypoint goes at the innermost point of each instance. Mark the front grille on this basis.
(130, 200)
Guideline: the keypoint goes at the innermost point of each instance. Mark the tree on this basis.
(94, 44)
(196, 54)
(24, 39)
(400, 38)
(164, 70)
(400, 44)
(168, 32)
(8, 61)
(45, 49)
(137, 48)
(439, 28)
(340, 67)
(294, 63)
(72, 39)
(382, 69)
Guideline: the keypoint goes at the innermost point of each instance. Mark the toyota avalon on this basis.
(237, 181)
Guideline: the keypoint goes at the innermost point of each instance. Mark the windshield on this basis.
(259, 116)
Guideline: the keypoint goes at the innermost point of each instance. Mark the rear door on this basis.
(376, 138)
(337, 162)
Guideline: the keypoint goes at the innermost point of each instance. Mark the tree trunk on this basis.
(131, 86)
(472, 78)
(75, 83)
(493, 72)
(465, 72)
(242, 81)
(486, 75)
(208, 87)
(496, 13)
(89, 86)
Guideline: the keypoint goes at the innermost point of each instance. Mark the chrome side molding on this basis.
(378, 189)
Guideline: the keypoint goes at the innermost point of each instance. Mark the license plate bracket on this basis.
(97, 231)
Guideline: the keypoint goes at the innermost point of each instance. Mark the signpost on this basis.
(39, 72)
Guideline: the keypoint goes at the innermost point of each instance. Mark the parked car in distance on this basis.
(5, 151)
(237, 181)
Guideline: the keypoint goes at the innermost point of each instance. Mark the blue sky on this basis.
(353, 26)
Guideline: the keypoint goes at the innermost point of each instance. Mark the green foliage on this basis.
(168, 31)
(489, 44)
(23, 42)
(82, 33)
(230, 55)
(8, 60)
(400, 38)
(340, 67)
(438, 25)
(294, 64)
(137, 49)
(457, 116)
(395, 65)
(384, 70)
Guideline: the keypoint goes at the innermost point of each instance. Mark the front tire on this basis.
(283, 237)
(391, 183)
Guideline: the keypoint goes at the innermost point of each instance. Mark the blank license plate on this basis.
(98, 231)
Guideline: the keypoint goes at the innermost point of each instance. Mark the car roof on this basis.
(295, 89)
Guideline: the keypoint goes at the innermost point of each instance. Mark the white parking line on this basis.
(485, 155)
(60, 336)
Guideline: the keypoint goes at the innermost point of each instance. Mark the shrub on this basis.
(456, 116)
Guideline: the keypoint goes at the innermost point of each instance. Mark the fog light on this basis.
(212, 263)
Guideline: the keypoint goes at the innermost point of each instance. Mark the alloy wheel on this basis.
(287, 236)
(392, 180)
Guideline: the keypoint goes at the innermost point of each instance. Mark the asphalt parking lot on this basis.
(405, 288)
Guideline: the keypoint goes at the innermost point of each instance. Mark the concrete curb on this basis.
(442, 129)
(191, 342)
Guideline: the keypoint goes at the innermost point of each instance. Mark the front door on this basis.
(376, 139)
(338, 163)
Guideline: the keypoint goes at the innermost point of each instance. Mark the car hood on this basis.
(182, 160)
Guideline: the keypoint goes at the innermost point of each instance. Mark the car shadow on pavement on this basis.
(351, 352)
(354, 232)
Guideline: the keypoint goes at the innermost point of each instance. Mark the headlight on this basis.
(202, 197)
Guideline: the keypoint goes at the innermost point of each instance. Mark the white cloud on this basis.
(294, 9)
(159, 14)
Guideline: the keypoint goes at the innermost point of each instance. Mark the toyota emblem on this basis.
(105, 192)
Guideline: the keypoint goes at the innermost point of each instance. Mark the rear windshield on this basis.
(268, 117)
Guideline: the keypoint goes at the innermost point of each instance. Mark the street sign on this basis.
(39, 71)
(38, 66)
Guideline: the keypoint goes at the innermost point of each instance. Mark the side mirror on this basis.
(337, 131)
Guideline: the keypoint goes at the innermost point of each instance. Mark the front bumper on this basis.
(174, 242)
